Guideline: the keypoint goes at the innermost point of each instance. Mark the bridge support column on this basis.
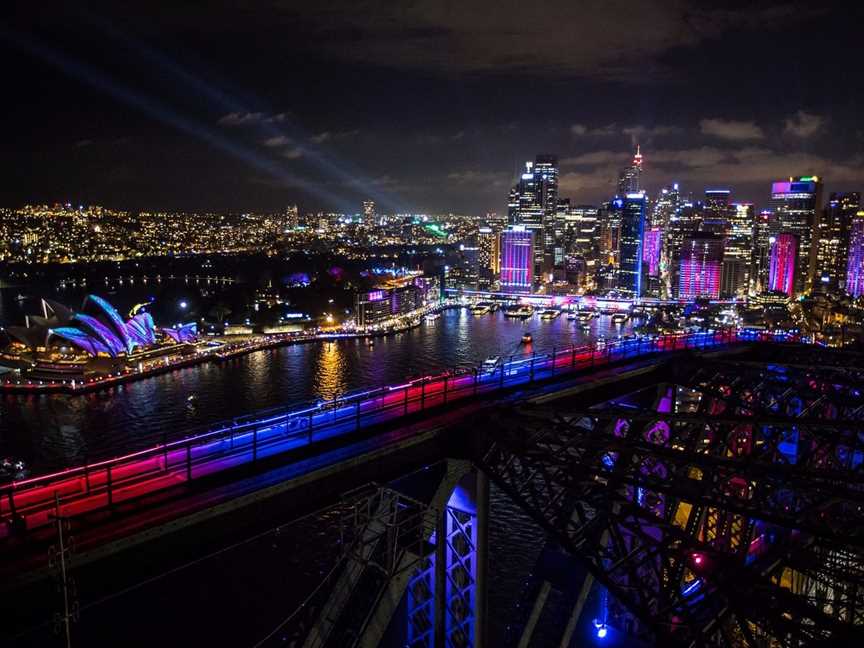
(481, 630)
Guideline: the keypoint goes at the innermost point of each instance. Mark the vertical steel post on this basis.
(481, 632)
(441, 579)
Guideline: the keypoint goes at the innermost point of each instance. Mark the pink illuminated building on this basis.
(855, 262)
(701, 267)
(782, 264)
(651, 251)
(517, 261)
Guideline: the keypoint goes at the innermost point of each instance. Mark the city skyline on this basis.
(211, 118)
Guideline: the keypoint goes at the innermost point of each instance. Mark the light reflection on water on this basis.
(58, 430)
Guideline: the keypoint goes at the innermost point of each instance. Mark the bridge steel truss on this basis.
(730, 512)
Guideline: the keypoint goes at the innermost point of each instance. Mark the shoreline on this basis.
(217, 355)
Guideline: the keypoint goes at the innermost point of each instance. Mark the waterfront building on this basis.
(633, 209)
(517, 265)
(855, 261)
(399, 297)
(795, 203)
(700, 266)
(783, 265)
(833, 245)
(533, 204)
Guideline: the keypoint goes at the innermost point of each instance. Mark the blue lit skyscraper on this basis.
(633, 212)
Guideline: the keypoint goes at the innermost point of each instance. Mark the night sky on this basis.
(423, 106)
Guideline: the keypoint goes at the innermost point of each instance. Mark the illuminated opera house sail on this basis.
(96, 330)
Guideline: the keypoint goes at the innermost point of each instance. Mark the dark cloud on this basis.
(731, 129)
(421, 105)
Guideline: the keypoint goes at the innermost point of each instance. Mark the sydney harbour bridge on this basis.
(705, 491)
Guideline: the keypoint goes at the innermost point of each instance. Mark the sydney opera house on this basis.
(63, 343)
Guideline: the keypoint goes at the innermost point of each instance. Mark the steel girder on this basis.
(706, 530)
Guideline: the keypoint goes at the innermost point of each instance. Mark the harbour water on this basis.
(58, 430)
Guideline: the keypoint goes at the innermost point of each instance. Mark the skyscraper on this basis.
(833, 245)
(701, 259)
(762, 224)
(738, 254)
(630, 180)
(489, 258)
(795, 204)
(716, 211)
(533, 203)
(517, 259)
(855, 262)
(784, 266)
(633, 208)
(368, 213)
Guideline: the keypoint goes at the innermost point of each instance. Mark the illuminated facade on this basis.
(855, 262)
(368, 213)
(397, 299)
(738, 254)
(700, 266)
(97, 330)
(715, 211)
(517, 244)
(833, 245)
(533, 204)
(795, 203)
(633, 210)
(783, 266)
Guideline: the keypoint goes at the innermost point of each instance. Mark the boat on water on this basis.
(527, 338)
(550, 314)
(481, 309)
(519, 310)
(431, 317)
(619, 318)
(572, 316)
(490, 364)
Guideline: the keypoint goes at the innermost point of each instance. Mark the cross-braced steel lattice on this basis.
(715, 516)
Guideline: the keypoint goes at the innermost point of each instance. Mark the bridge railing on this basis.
(30, 503)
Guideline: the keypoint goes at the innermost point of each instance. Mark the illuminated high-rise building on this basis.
(795, 204)
(517, 259)
(762, 223)
(630, 180)
(738, 254)
(833, 245)
(629, 278)
(292, 217)
(489, 258)
(651, 245)
(369, 213)
(583, 224)
(700, 263)
(783, 265)
(855, 257)
(716, 211)
(533, 203)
